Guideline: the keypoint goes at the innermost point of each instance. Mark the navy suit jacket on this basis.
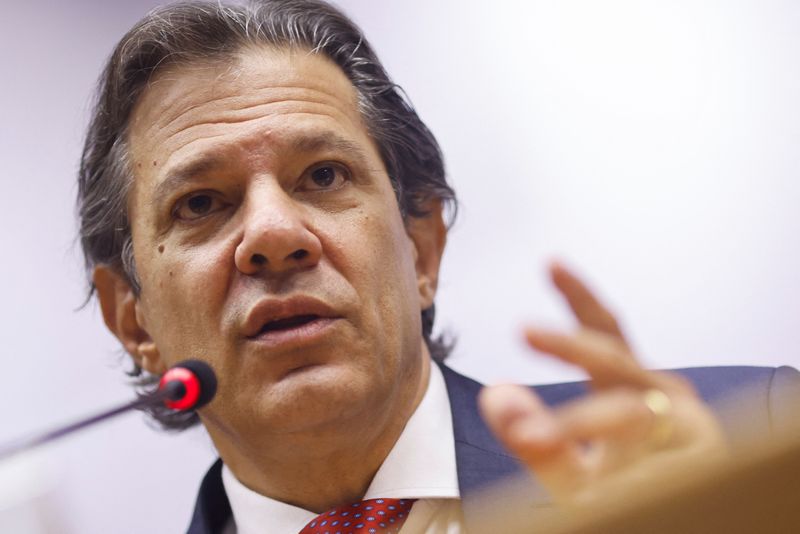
(773, 396)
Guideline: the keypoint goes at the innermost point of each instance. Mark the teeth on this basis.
(288, 322)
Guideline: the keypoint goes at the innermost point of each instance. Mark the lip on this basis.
(295, 337)
(269, 310)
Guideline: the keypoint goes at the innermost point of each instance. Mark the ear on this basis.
(122, 315)
(429, 235)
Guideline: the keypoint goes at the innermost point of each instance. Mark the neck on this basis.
(320, 469)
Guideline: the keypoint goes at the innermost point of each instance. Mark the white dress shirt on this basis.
(421, 465)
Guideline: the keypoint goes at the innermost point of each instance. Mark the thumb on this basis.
(531, 431)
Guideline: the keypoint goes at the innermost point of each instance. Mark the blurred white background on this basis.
(654, 146)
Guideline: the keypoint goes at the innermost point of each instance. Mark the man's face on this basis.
(268, 242)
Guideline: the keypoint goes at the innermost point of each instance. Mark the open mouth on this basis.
(287, 323)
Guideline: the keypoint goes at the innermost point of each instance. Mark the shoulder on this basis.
(749, 401)
(766, 398)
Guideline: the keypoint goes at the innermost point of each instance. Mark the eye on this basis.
(324, 177)
(196, 206)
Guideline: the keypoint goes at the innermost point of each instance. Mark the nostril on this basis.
(258, 259)
(299, 254)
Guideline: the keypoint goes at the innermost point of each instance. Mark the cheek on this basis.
(374, 251)
(183, 291)
(376, 256)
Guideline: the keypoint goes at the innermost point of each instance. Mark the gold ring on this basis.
(660, 404)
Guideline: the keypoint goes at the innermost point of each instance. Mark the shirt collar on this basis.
(422, 464)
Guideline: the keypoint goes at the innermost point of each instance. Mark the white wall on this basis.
(653, 145)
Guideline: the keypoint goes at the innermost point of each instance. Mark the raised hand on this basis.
(632, 423)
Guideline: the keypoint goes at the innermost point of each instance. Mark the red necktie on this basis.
(374, 516)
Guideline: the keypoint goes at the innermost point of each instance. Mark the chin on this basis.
(317, 395)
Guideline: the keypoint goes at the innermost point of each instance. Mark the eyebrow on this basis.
(299, 144)
(185, 173)
(328, 141)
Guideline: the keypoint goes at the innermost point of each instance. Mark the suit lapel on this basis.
(480, 459)
(212, 510)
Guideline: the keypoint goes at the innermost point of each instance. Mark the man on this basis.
(256, 192)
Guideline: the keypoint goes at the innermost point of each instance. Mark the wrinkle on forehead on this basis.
(289, 102)
(241, 85)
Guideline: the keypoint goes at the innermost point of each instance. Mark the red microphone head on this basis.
(196, 385)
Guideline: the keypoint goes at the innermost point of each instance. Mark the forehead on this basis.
(261, 95)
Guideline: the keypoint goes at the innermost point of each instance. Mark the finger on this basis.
(591, 313)
(630, 425)
(605, 358)
(622, 426)
(529, 430)
(619, 415)
(519, 418)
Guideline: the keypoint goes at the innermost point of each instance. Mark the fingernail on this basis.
(540, 429)
(534, 333)
(514, 397)
(532, 330)
(506, 403)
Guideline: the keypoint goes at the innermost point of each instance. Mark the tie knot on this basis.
(373, 516)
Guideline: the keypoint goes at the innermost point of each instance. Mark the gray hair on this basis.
(184, 33)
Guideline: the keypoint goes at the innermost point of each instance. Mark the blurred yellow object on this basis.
(755, 489)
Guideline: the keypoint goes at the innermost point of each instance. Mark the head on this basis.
(197, 223)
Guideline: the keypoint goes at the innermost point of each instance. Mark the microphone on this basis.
(188, 385)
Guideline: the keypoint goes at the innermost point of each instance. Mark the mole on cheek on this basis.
(155, 163)
(170, 273)
(161, 249)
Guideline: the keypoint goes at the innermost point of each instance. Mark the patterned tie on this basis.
(373, 516)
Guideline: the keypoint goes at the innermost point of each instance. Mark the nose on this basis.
(276, 237)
